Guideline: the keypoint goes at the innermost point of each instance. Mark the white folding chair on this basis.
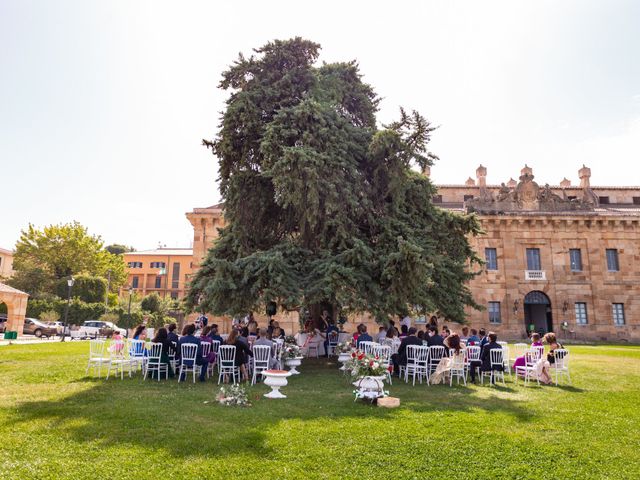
(457, 366)
(154, 364)
(313, 348)
(333, 337)
(518, 350)
(417, 361)
(560, 365)
(472, 354)
(539, 351)
(215, 347)
(505, 357)
(528, 370)
(172, 355)
(383, 352)
(137, 353)
(261, 358)
(97, 356)
(188, 356)
(367, 347)
(227, 362)
(206, 349)
(119, 359)
(497, 365)
(436, 353)
(502, 344)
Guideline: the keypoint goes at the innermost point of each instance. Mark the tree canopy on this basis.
(321, 203)
(46, 256)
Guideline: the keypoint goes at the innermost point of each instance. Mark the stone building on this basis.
(165, 271)
(558, 258)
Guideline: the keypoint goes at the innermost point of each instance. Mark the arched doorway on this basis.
(537, 312)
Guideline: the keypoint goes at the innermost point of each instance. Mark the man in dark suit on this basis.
(400, 358)
(364, 336)
(485, 357)
(433, 338)
(189, 337)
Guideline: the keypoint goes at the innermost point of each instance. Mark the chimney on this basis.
(512, 183)
(565, 183)
(481, 175)
(584, 173)
(527, 170)
(470, 182)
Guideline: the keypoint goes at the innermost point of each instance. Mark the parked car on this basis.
(3, 322)
(98, 328)
(33, 326)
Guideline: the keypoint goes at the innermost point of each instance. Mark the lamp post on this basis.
(66, 310)
(129, 310)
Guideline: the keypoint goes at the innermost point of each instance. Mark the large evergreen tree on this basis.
(321, 204)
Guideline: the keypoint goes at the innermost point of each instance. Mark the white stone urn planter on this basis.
(370, 387)
(276, 379)
(343, 358)
(292, 363)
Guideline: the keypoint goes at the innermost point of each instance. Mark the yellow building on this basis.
(165, 271)
(6, 263)
(558, 258)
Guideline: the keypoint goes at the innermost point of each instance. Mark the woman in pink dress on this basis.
(535, 342)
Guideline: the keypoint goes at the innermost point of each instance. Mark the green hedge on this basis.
(80, 311)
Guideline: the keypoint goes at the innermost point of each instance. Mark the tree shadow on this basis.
(184, 419)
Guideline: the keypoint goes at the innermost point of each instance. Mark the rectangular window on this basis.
(437, 199)
(618, 313)
(603, 200)
(175, 276)
(572, 197)
(174, 295)
(636, 200)
(134, 282)
(533, 259)
(491, 257)
(468, 197)
(612, 260)
(575, 258)
(494, 312)
(581, 313)
(158, 281)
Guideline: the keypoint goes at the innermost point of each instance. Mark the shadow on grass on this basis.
(174, 417)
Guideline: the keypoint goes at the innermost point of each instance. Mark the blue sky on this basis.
(103, 105)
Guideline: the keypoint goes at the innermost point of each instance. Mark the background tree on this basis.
(321, 204)
(43, 257)
(118, 249)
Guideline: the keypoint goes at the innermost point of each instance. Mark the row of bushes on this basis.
(80, 311)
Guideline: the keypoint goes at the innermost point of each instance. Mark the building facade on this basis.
(557, 258)
(6, 263)
(165, 271)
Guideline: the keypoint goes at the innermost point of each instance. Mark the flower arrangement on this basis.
(233, 395)
(363, 365)
(344, 347)
(291, 350)
(290, 340)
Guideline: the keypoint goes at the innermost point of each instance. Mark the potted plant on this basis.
(370, 372)
(344, 350)
(292, 356)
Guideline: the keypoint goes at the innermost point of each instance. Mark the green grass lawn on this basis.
(57, 423)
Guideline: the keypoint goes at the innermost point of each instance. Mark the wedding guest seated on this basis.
(205, 337)
(357, 333)
(162, 336)
(551, 340)
(452, 342)
(280, 331)
(404, 331)
(140, 333)
(535, 342)
(484, 339)
(214, 335)
(445, 332)
(264, 339)
(433, 339)
(400, 358)
(364, 336)
(420, 335)
(331, 328)
(171, 333)
(382, 334)
(188, 337)
(473, 339)
(485, 357)
(242, 351)
(465, 334)
(252, 330)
